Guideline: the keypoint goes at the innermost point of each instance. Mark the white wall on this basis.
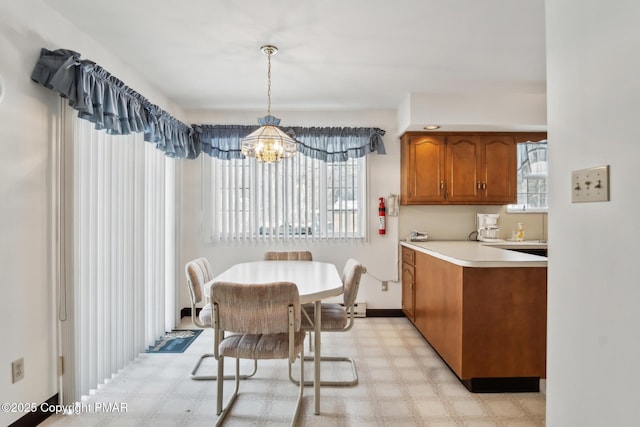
(593, 71)
(379, 255)
(458, 222)
(27, 129)
(498, 111)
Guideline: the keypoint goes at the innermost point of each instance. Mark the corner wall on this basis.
(594, 293)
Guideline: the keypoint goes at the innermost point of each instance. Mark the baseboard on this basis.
(503, 385)
(36, 417)
(385, 312)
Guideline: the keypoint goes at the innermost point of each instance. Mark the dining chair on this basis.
(265, 321)
(199, 273)
(335, 317)
(288, 256)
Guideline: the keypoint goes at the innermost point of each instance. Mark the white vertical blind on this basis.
(297, 199)
(122, 203)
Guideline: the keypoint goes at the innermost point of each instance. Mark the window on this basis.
(532, 178)
(297, 199)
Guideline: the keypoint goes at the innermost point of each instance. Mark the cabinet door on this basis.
(408, 286)
(422, 179)
(499, 177)
(463, 165)
(438, 308)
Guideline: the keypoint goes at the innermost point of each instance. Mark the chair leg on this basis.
(347, 383)
(296, 415)
(220, 385)
(194, 375)
(223, 412)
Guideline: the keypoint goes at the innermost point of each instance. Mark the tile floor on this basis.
(403, 382)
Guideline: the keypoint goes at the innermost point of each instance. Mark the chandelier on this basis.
(268, 143)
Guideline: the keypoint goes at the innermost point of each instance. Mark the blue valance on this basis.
(107, 102)
(330, 144)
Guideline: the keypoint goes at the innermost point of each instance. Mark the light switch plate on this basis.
(590, 185)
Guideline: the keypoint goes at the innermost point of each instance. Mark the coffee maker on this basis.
(488, 227)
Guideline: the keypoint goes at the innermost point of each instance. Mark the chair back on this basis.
(198, 273)
(260, 308)
(288, 256)
(351, 275)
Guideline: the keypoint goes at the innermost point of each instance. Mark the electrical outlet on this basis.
(17, 370)
(385, 285)
(590, 185)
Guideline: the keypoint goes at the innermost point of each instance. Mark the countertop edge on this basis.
(529, 260)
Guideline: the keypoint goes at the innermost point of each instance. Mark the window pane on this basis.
(532, 177)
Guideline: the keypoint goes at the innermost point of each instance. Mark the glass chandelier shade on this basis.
(268, 143)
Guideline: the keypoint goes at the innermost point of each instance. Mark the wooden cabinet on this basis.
(459, 168)
(423, 169)
(439, 301)
(487, 324)
(408, 282)
(481, 169)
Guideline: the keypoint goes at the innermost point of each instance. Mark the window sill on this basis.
(527, 211)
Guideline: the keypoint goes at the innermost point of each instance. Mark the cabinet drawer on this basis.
(408, 256)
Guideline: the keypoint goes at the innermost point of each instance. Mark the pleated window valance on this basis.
(107, 102)
(330, 144)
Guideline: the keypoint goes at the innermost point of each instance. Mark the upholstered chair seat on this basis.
(205, 315)
(334, 317)
(260, 346)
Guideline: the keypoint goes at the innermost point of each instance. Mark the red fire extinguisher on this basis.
(382, 228)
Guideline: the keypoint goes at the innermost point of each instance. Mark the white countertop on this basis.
(512, 244)
(480, 254)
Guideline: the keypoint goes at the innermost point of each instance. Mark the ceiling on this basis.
(334, 54)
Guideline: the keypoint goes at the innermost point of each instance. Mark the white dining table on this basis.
(315, 280)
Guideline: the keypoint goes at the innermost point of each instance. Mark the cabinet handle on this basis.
(484, 185)
(479, 185)
(442, 185)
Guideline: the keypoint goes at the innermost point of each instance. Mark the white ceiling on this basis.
(334, 54)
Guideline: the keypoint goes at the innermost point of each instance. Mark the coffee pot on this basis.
(488, 227)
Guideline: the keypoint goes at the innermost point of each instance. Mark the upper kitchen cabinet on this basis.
(459, 168)
(481, 169)
(423, 169)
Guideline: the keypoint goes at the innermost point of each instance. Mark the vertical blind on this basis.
(301, 198)
(119, 251)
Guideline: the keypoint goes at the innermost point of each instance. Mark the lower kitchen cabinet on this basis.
(487, 324)
(408, 282)
(408, 286)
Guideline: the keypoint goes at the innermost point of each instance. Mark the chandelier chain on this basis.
(268, 143)
(269, 83)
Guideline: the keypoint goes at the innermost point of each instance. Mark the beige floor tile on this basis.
(403, 382)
